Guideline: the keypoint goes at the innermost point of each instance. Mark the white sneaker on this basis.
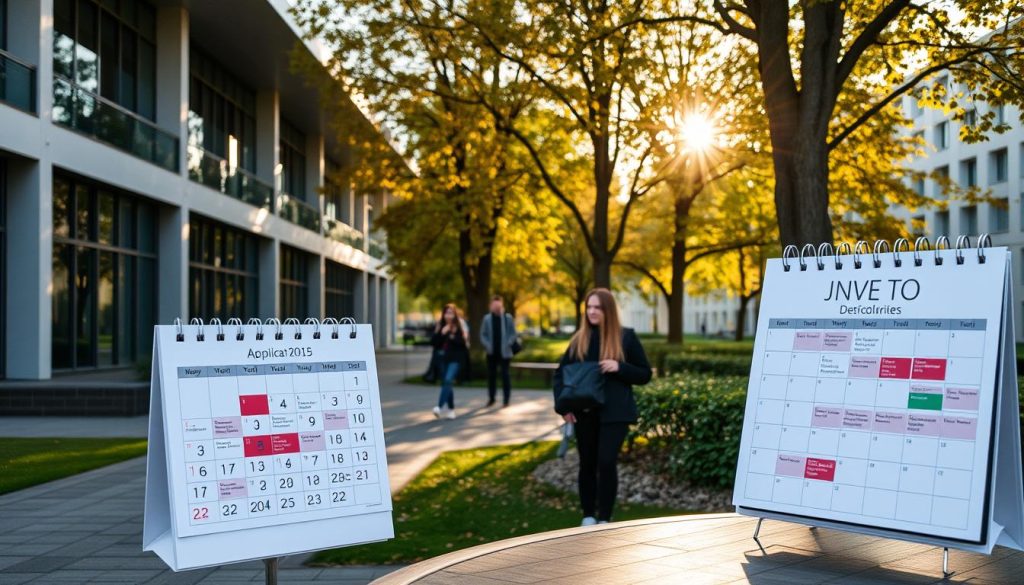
(588, 521)
(450, 415)
(437, 412)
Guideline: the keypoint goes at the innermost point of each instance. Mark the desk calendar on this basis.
(264, 441)
(883, 397)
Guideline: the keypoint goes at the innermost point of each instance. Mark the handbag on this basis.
(582, 387)
(516, 347)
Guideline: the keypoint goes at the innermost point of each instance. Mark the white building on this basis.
(159, 158)
(996, 165)
(716, 312)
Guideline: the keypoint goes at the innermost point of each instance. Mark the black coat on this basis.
(454, 348)
(619, 403)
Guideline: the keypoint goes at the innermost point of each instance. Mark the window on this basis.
(293, 161)
(3, 30)
(971, 118)
(340, 290)
(999, 216)
(3, 255)
(969, 220)
(108, 47)
(919, 185)
(221, 112)
(1000, 117)
(917, 226)
(104, 275)
(941, 139)
(969, 172)
(941, 224)
(294, 283)
(223, 271)
(998, 166)
(336, 197)
(942, 175)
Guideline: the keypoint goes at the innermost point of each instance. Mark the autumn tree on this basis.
(814, 53)
(415, 71)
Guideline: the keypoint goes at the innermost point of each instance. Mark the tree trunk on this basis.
(676, 286)
(801, 194)
(476, 286)
(741, 317)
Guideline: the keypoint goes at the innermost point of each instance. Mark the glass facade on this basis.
(339, 290)
(293, 161)
(221, 113)
(223, 271)
(3, 266)
(294, 283)
(108, 48)
(104, 275)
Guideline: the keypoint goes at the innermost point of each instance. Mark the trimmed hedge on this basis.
(695, 422)
(711, 363)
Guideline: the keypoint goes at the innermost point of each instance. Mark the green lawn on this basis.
(29, 462)
(470, 497)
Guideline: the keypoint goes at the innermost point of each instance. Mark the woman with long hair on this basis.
(450, 340)
(600, 431)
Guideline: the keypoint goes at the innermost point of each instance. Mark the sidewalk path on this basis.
(88, 528)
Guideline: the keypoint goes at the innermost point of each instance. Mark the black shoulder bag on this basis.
(583, 387)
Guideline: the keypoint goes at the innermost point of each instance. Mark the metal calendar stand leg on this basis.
(271, 567)
(757, 530)
(946, 573)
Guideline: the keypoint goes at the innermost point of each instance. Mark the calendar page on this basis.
(270, 432)
(871, 394)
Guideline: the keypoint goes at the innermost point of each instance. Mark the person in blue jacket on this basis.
(600, 432)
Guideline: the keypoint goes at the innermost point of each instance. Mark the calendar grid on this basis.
(869, 417)
(274, 440)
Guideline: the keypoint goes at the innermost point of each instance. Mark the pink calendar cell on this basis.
(889, 422)
(807, 341)
(837, 341)
(284, 443)
(311, 441)
(856, 419)
(959, 427)
(929, 369)
(961, 398)
(929, 425)
(335, 420)
(891, 367)
(830, 417)
(253, 404)
(821, 469)
(791, 465)
(863, 367)
(227, 427)
(232, 488)
(256, 445)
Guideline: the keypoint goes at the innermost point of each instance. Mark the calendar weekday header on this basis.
(904, 324)
(270, 369)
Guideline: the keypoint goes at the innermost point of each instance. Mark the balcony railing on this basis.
(377, 249)
(342, 232)
(17, 83)
(208, 169)
(298, 212)
(94, 116)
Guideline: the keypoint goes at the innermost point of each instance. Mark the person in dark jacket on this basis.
(600, 432)
(450, 340)
(498, 336)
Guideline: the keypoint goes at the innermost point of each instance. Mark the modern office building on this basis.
(161, 159)
(995, 166)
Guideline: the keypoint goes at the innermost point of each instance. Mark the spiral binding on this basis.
(279, 327)
(878, 249)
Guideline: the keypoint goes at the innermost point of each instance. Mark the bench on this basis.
(546, 370)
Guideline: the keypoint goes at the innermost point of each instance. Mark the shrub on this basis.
(711, 363)
(695, 421)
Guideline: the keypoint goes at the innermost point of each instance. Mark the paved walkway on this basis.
(88, 528)
(706, 549)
